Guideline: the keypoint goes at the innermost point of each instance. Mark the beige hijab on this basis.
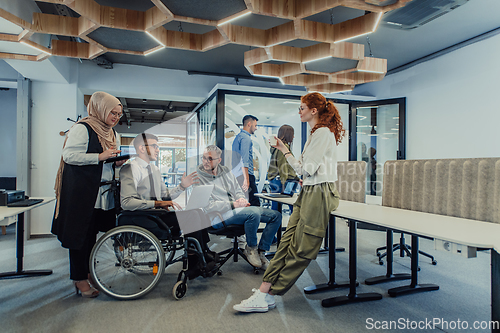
(98, 108)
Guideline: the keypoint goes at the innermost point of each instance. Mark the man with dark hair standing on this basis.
(243, 145)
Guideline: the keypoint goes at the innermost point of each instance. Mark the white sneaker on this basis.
(255, 303)
(252, 256)
(263, 260)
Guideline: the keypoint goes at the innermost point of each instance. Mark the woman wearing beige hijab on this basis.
(82, 207)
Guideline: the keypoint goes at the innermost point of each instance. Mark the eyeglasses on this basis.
(210, 159)
(154, 146)
(116, 115)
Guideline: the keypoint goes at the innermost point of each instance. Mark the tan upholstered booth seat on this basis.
(467, 188)
(351, 180)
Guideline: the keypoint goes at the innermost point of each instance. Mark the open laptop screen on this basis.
(290, 188)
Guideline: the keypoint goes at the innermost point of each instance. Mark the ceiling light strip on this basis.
(34, 47)
(158, 48)
(156, 39)
(245, 13)
(308, 61)
(368, 71)
(343, 40)
(377, 22)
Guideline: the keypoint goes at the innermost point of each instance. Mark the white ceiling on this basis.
(7, 27)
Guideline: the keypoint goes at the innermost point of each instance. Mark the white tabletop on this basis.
(287, 201)
(13, 211)
(456, 230)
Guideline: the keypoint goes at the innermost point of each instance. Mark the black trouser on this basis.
(252, 189)
(79, 259)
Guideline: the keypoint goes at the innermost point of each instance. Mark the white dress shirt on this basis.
(318, 162)
(75, 153)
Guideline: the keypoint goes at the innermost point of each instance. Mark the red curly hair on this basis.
(328, 114)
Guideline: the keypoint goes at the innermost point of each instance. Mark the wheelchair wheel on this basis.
(127, 262)
(179, 290)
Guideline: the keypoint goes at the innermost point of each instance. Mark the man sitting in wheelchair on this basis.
(142, 189)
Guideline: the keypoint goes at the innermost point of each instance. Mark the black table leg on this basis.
(271, 254)
(20, 255)
(495, 290)
(278, 234)
(414, 287)
(389, 276)
(326, 248)
(352, 297)
(331, 265)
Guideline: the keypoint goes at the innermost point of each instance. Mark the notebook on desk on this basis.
(288, 192)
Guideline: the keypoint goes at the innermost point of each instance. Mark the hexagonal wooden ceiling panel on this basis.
(299, 41)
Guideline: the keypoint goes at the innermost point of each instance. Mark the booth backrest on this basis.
(467, 188)
(351, 180)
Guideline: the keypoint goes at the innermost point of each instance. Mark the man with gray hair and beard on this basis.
(229, 201)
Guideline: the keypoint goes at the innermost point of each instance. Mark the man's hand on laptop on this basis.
(241, 203)
(167, 204)
(189, 180)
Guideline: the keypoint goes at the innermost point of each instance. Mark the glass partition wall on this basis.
(378, 126)
(380, 137)
(272, 112)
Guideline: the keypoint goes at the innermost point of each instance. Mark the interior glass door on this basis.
(380, 132)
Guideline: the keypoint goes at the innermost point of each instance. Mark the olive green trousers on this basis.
(303, 237)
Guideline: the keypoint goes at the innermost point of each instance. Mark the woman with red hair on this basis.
(311, 212)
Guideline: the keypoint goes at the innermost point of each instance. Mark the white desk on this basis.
(6, 212)
(457, 230)
(286, 201)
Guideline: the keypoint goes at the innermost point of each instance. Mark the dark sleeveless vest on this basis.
(79, 190)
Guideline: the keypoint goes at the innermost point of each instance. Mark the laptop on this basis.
(199, 196)
(288, 192)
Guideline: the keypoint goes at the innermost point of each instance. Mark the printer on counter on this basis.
(7, 196)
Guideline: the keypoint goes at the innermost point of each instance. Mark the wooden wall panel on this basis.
(370, 64)
(88, 8)
(154, 18)
(182, 40)
(212, 39)
(355, 27)
(9, 37)
(55, 24)
(310, 7)
(306, 80)
(277, 8)
(281, 34)
(286, 53)
(243, 35)
(17, 56)
(70, 49)
(256, 56)
(122, 18)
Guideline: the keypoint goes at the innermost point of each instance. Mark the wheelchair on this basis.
(128, 261)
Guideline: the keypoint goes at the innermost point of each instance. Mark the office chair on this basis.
(403, 249)
(231, 231)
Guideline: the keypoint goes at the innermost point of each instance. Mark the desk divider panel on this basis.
(467, 188)
(351, 182)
